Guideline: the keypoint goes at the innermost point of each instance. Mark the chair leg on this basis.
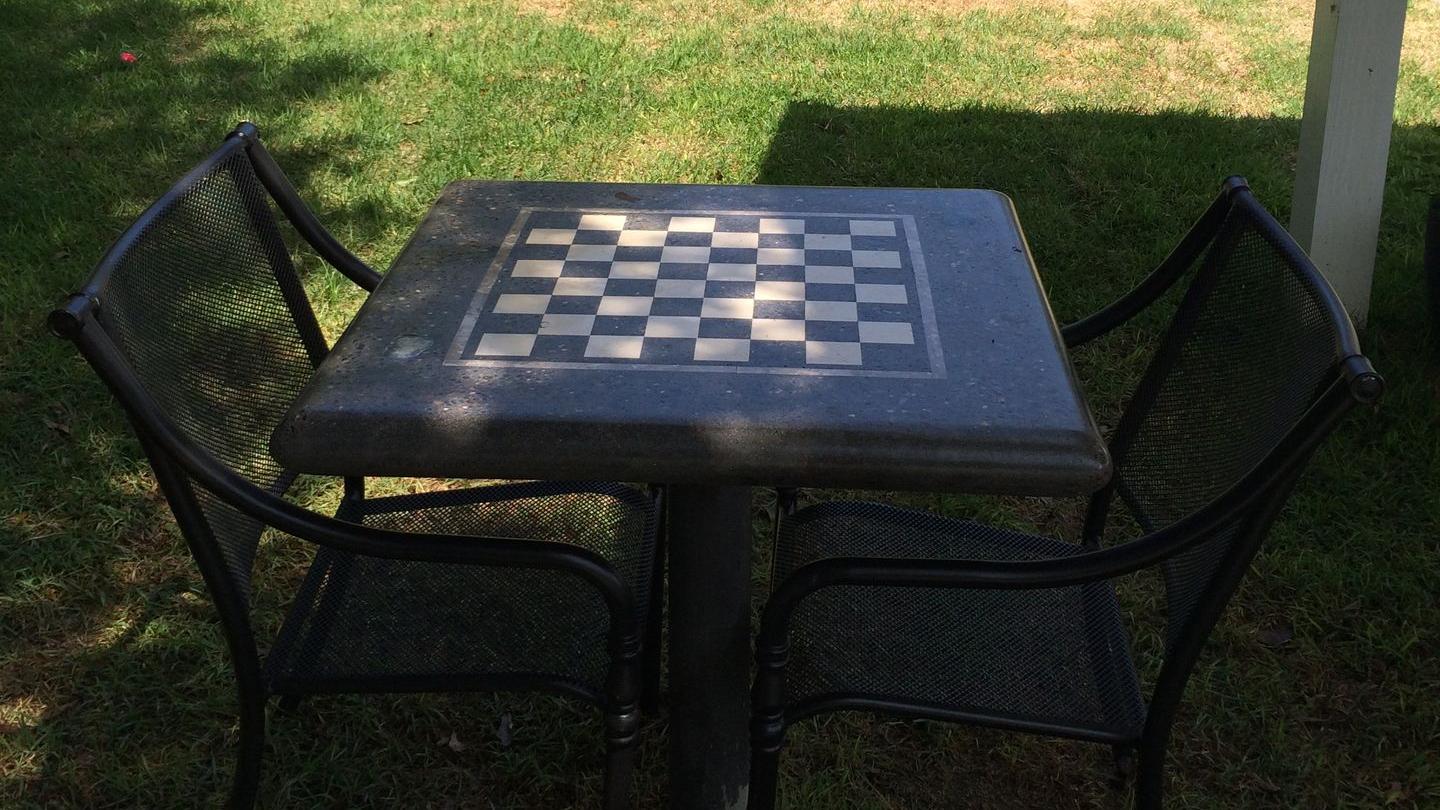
(619, 767)
(786, 499)
(622, 721)
(764, 771)
(654, 630)
(252, 747)
(1124, 766)
(767, 725)
(1150, 784)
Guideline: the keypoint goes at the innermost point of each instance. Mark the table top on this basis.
(768, 335)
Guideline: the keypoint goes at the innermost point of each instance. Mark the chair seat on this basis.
(366, 624)
(1055, 659)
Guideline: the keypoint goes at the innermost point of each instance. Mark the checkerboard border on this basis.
(456, 355)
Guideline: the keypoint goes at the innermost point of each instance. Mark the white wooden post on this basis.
(1345, 140)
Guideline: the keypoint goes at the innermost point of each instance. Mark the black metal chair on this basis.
(890, 610)
(197, 322)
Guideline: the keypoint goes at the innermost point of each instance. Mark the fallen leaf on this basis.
(453, 743)
(627, 197)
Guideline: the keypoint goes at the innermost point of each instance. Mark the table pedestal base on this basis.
(710, 654)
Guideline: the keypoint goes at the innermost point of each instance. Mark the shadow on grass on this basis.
(115, 689)
(1102, 195)
(118, 632)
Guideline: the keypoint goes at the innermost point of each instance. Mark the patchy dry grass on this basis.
(1108, 122)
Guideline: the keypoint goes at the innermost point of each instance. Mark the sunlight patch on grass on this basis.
(1107, 121)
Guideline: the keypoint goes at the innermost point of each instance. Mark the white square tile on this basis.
(692, 224)
(875, 258)
(634, 269)
(625, 305)
(872, 227)
(735, 350)
(782, 226)
(555, 324)
(672, 326)
(823, 274)
(602, 222)
(881, 332)
(684, 254)
(772, 329)
(779, 291)
(590, 253)
(819, 352)
(830, 311)
(502, 345)
(880, 293)
(625, 347)
(731, 272)
(780, 256)
(728, 308)
(580, 286)
(538, 268)
(642, 238)
(827, 241)
(679, 288)
(726, 239)
(551, 236)
(519, 304)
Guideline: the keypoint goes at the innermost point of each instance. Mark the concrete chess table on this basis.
(712, 338)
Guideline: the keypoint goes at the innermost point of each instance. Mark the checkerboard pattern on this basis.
(758, 290)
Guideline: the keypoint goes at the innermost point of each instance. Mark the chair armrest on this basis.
(1160, 280)
(356, 538)
(300, 215)
(163, 439)
(1279, 470)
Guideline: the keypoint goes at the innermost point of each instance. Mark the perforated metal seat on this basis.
(1060, 657)
(890, 610)
(363, 623)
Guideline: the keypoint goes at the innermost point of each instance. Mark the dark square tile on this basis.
(780, 272)
(676, 306)
(780, 310)
(724, 328)
(832, 330)
(630, 286)
(777, 353)
(619, 325)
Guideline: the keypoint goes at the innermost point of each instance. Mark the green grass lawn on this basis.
(1110, 124)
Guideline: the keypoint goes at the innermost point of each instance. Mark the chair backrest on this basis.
(201, 298)
(1258, 337)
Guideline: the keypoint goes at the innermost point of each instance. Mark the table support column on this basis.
(710, 647)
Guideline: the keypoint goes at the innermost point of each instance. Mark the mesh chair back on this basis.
(1252, 346)
(202, 299)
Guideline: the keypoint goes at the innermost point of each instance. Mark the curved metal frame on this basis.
(1256, 499)
(179, 464)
